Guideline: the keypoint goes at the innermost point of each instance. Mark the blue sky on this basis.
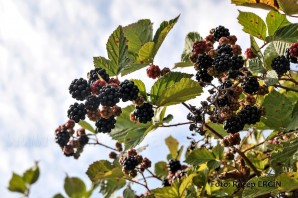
(46, 44)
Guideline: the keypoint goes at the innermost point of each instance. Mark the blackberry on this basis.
(62, 138)
(108, 96)
(165, 182)
(234, 74)
(83, 140)
(250, 114)
(224, 49)
(130, 163)
(249, 53)
(79, 89)
(153, 71)
(226, 84)
(128, 91)
(233, 125)
(220, 31)
(281, 65)
(204, 61)
(290, 58)
(76, 112)
(144, 113)
(203, 76)
(199, 47)
(96, 86)
(294, 49)
(250, 85)
(174, 165)
(237, 62)
(92, 103)
(222, 63)
(95, 73)
(223, 101)
(105, 125)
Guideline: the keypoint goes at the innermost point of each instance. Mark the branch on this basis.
(153, 175)
(254, 146)
(101, 144)
(146, 185)
(263, 45)
(128, 179)
(213, 131)
(286, 88)
(290, 79)
(178, 124)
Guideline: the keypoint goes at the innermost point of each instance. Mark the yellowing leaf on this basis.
(265, 4)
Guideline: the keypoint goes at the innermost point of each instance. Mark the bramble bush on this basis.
(250, 91)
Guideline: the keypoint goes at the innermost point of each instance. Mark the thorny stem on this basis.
(101, 144)
(146, 185)
(286, 88)
(178, 124)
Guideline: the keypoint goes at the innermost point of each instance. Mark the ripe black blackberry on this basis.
(226, 84)
(234, 74)
(130, 163)
(224, 49)
(79, 89)
(83, 140)
(233, 125)
(76, 112)
(128, 91)
(92, 103)
(174, 165)
(281, 65)
(204, 61)
(222, 63)
(220, 31)
(237, 62)
(144, 113)
(250, 85)
(95, 73)
(290, 58)
(108, 96)
(250, 114)
(62, 138)
(105, 125)
(223, 101)
(203, 76)
(165, 182)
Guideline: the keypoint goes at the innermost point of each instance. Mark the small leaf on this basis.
(256, 66)
(59, 195)
(101, 62)
(288, 181)
(31, 175)
(172, 144)
(289, 6)
(182, 64)
(199, 156)
(161, 169)
(185, 183)
(258, 190)
(287, 33)
(218, 151)
(293, 125)
(255, 47)
(17, 184)
(141, 86)
(271, 78)
(74, 187)
(132, 67)
(275, 21)
(268, 4)
(129, 193)
(168, 118)
(190, 38)
(109, 186)
(87, 126)
(103, 169)
(252, 24)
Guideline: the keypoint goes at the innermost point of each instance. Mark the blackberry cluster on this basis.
(250, 85)
(76, 112)
(219, 32)
(232, 140)
(250, 114)
(108, 96)
(144, 113)
(130, 163)
(128, 91)
(174, 165)
(96, 73)
(92, 103)
(79, 89)
(281, 65)
(233, 125)
(105, 125)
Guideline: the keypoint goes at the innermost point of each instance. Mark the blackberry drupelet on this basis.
(108, 96)
(128, 91)
(281, 65)
(224, 49)
(250, 85)
(222, 63)
(95, 73)
(144, 113)
(203, 76)
(233, 125)
(105, 125)
(165, 182)
(92, 103)
(62, 138)
(130, 163)
(79, 89)
(220, 31)
(250, 114)
(83, 140)
(204, 61)
(76, 112)
(290, 58)
(237, 62)
(174, 165)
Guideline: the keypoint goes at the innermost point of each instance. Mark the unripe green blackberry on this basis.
(250, 114)
(233, 125)
(108, 96)
(92, 103)
(128, 91)
(250, 85)
(79, 89)
(281, 65)
(144, 113)
(105, 125)
(76, 112)
(219, 32)
(95, 73)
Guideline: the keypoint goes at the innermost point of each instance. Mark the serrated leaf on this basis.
(278, 111)
(172, 144)
(87, 126)
(31, 175)
(182, 64)
(218, 151)
(275, 21)
(17, 184)
(109, 186)
(181, 91)
(161, 169)
(129, 193)
(59, 195)
(164, 82)
(288, 181)
(213, 164)
(185, 183)
(217, 127)
(117, 51)
(132, 67)
(271, 78)
(287, 33)
(289, 6)
(104, 63)
(293, 125)
(145, 55)
(166, 192)
(141, 86)
(256, 66)
(264, 4)
(74, 187)
(190, 38)
(252, 24)
(258, 190)
(199, 156)
(255, 47)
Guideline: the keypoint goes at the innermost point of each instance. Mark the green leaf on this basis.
(164, 82)
(218, 151)
(287, 33)
(185, 183)
(179, 152)
(103, 169)
(59, 195)
(269, 54)
(145, 55)
(252, 24)
(293, 125)
(31, 175)
(17, 184)
(182, 64)
(129, 193)
(141, 86)
(213, 164)
(190, 38)
(271, 78)
(181, 91)
(161, 33)
(256, 66)
(117, 51)
(132, 67)
(137, 34)
(161, 169)
(168, 118)
(275, 21)
(199, 156)
(87, 126)
(258, 190)
(109, 186)
(74, 187)
(288, 181)
(255, 47)
(289, 6)
(217, 127)
(102, 62)
(166, 192)
(278, 111)
(172, 144)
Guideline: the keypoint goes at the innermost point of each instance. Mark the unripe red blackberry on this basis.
(236, 49)
(68, 150)
(112, 155)
(70, 124)
(132, 152)
(79, 89)
(249, 53)
(153, 71)
(139, 101)
(118, 146)
(204, 61)
(290, 58)
(92, 103)
(108, 96)
(146, 163)
(199, 47)
(174, 165)
(222, 63)
(219, 32)
(97, 85)
(144, 113)
(250, 100)
(164, 71)
(263, 90)
(210, 38)
(105, 125)
(128, 90)
(116, 110)
(83, 140)
(223, 40)
(133, 173)
(106, 112)
(80, 132)
(281, 65)
(114, 82)
(233, 125)
(96, 73)
(203, 76)
(133, 118)
(294, 49)
(250, 114)
(93, 115)
(212, 53)
(250, 85)
(232, 39)
(76, 112)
